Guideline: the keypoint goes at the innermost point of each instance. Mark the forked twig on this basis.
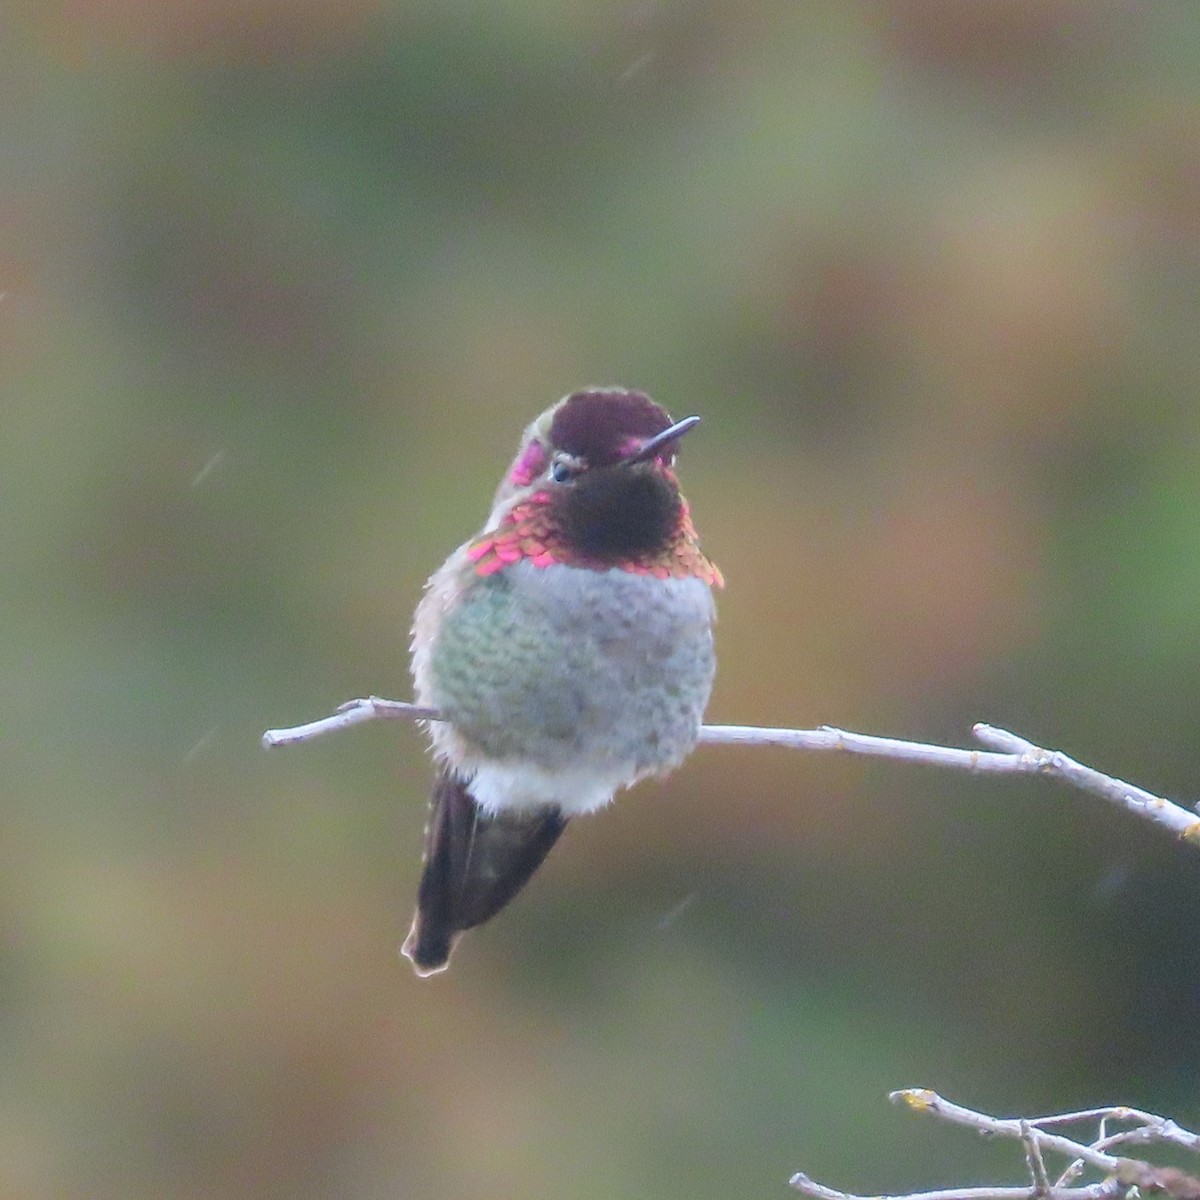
(1120, 1175)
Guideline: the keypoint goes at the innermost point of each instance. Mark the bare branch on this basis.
(1151, 1128)
(922, 1100)
(1108, 1190)
(1008, 754)
(1148, 1130)
(1121, 1175)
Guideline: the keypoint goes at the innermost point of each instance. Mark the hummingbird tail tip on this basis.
(475, 863)
(427, 958)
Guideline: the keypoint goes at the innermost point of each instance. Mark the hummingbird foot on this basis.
(475, 863)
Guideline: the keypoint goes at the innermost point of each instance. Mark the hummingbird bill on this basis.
(567, 648)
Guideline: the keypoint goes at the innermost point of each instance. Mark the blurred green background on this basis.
(280, 285)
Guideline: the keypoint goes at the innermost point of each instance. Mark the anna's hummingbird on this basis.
(568, 647)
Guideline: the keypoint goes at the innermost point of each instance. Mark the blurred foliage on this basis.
(280, 284)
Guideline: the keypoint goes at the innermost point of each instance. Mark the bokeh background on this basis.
(280, 285)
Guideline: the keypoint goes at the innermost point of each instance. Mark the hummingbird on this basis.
(567, 649)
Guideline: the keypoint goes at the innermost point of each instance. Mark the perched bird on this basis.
(568, 648)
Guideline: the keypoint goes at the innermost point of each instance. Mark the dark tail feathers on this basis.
(475, 863)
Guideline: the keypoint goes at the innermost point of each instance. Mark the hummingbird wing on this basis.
(475, 863)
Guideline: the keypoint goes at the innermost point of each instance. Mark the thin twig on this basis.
(1007, 754)
(1147, 1135)
(1073, 1172)
(1110, 1112)
(353, 712)
(1033, 1158)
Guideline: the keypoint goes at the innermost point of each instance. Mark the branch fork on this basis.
(1121, 1176)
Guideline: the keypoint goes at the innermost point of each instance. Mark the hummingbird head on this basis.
(601, 462)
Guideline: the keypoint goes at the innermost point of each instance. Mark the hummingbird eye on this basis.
(563, 471)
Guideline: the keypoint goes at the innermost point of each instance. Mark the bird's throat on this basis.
(642, 526)
(622, 514)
